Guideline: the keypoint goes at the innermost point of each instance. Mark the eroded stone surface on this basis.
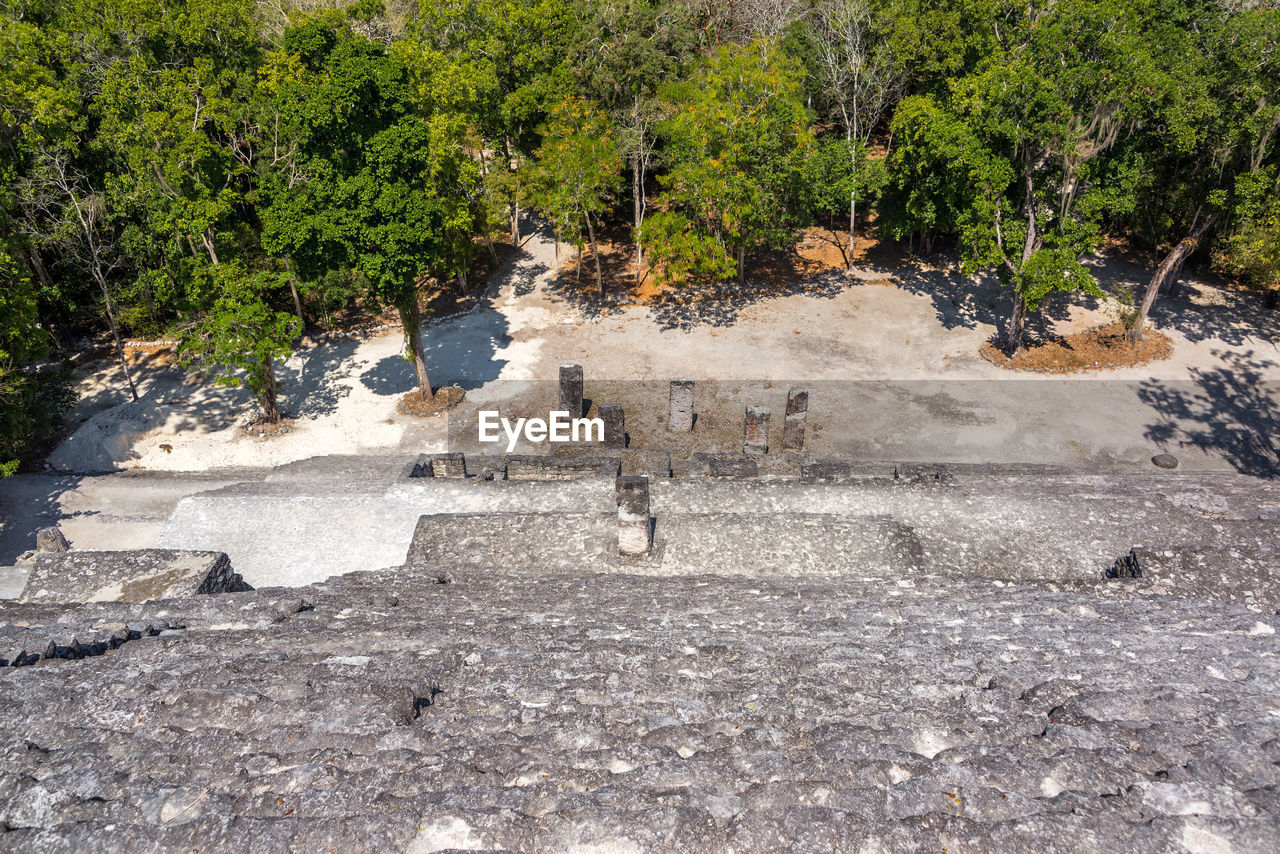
(927, 662)
(537, 711)
(129, 576)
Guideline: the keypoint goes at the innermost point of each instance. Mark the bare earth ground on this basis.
(892, 356)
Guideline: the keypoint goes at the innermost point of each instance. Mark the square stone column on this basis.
(755, 430)
(571, 390)
(680, 412)
(793, 423)
(615, 427)
(633, 516)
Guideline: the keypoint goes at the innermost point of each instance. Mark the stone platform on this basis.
(932, 662)
(129, 576)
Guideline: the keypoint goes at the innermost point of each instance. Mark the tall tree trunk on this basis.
(1169, 269)
(268, 397)
(37, 266)
(297, 301)
(637, 197)
(207, 237)
(293, 290)
(515, 196)
(411, 320)
(1018, 320)
(115, 332)
(595, 253)
(853, 196)
(1017, 329)
(515, 219)
(742, 262)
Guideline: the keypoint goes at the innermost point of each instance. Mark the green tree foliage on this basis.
(31, 402)
(860, 80)
(1253, 251)
(240, 337)
(738, 139)
(622, 51)
(1213, 159)
(682, 253)
(202, 166)
(576, 172)
(383, 181)
(515, 54)
(1027, 194)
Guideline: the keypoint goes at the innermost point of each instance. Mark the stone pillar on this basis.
(633, 516)
(794, 421)
(680, 414)
(49, 540)
(755, 431)
(615, 428)
(571, 390)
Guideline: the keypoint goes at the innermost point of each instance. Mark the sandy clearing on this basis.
(926, 328)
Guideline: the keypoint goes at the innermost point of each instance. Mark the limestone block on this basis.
(755, 430)
(137, 575)
(51, 541)
(720, 467)
(633, 515)
(793, 432)
(615, 430)
(535, 467)
(571, 390)
(797, 400)
(680, 406)
(820, 470)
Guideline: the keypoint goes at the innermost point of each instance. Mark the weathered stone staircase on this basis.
(843, 660)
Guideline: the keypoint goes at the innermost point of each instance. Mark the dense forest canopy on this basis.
(228, 171)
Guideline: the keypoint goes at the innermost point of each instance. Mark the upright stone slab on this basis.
(51, 541)
(755, 430)
(793, 423)
(615, 428)
(699, 465)
(633, 516)
(571, 390)
(680, 412)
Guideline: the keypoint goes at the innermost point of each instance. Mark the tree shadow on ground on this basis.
(968, 301)
(1230, 412)
(315, 390)
(575, 280)
(461, 351)
(29, 502)
(769, 275)
(1197, 308)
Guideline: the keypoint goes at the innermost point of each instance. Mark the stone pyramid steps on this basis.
(556, 711)
(314, 519)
